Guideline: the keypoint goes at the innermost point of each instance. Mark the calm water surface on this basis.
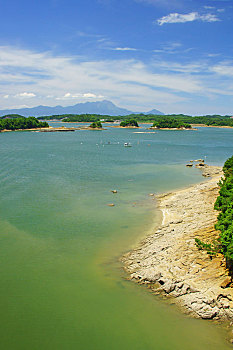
(61, 284)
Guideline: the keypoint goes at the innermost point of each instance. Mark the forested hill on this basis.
(214, 120)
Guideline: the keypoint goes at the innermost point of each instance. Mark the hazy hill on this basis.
(100, 107)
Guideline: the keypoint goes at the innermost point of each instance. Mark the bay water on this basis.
(61, 283)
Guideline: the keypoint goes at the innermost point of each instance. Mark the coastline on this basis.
(168, 261)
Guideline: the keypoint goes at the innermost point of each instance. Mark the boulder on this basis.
(226, 282)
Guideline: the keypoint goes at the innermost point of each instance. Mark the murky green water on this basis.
(61, 286)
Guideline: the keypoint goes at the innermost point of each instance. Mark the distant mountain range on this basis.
(100, 107)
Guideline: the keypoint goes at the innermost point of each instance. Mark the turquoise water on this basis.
(62, 286)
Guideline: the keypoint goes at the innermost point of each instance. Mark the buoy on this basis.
(111, 205)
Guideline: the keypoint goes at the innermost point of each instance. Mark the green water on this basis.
(62, 286)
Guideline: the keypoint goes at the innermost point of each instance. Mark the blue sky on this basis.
(173, 55)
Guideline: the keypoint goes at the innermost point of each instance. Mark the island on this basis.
(21, 123)
(170, 123)
(130, 123)
(96, 125)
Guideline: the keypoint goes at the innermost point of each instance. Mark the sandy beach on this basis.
(169, 262)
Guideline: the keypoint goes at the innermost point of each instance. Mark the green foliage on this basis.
(72, 118)
(224, 204)
(96, 125)
(214, 120)
(170, 123)
(21, 123)
(211, 248)
(129, 122)
(11, 116)
(228, 166)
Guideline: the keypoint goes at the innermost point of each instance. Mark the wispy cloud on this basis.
(189, 17)
(131, 83)
(223, 68)
(170, 47)
(25, 95)
(124, 49)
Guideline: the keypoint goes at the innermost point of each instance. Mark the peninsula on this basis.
(168, 261)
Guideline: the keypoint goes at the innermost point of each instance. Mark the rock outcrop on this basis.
(169, 262)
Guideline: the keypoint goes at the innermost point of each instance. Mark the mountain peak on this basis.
(104, 107)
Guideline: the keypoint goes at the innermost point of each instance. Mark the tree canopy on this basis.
(224, 204)
(96, 125)
(170, 123)
(21, 123)
(129, 122)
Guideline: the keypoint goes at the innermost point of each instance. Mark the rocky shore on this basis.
(169, 262)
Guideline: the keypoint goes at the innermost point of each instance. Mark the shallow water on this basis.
(62, 286)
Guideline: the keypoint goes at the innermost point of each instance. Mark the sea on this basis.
(62, 285)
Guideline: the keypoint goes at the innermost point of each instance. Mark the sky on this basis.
(172, 55)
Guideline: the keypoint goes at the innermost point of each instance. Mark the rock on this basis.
(169, 260)
(226, 282)
(168, 287)
(111, 205)
(151, 194)
(152, 276)
(189, 165)
(205, 311)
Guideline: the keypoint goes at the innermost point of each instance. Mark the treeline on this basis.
(224, 204)
(76, 117)
(209, 120)
(170, 123)
(12, 116)
(21, 123)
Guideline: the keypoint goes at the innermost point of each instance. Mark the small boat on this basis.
(127, 144)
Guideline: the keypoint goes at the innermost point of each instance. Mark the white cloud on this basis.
(170, 47)
(25, 95)
(124, 49)
(69, 96)
(90, 95)
(224, 68)
(129, 83)
(189, 17)
(6, 96)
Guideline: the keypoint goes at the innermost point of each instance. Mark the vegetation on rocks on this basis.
(211, 248)
(96, 125)
(129, 122)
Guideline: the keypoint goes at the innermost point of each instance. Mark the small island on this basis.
(130, 123)
(21, 123)
(96, 125)
(170, 123)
